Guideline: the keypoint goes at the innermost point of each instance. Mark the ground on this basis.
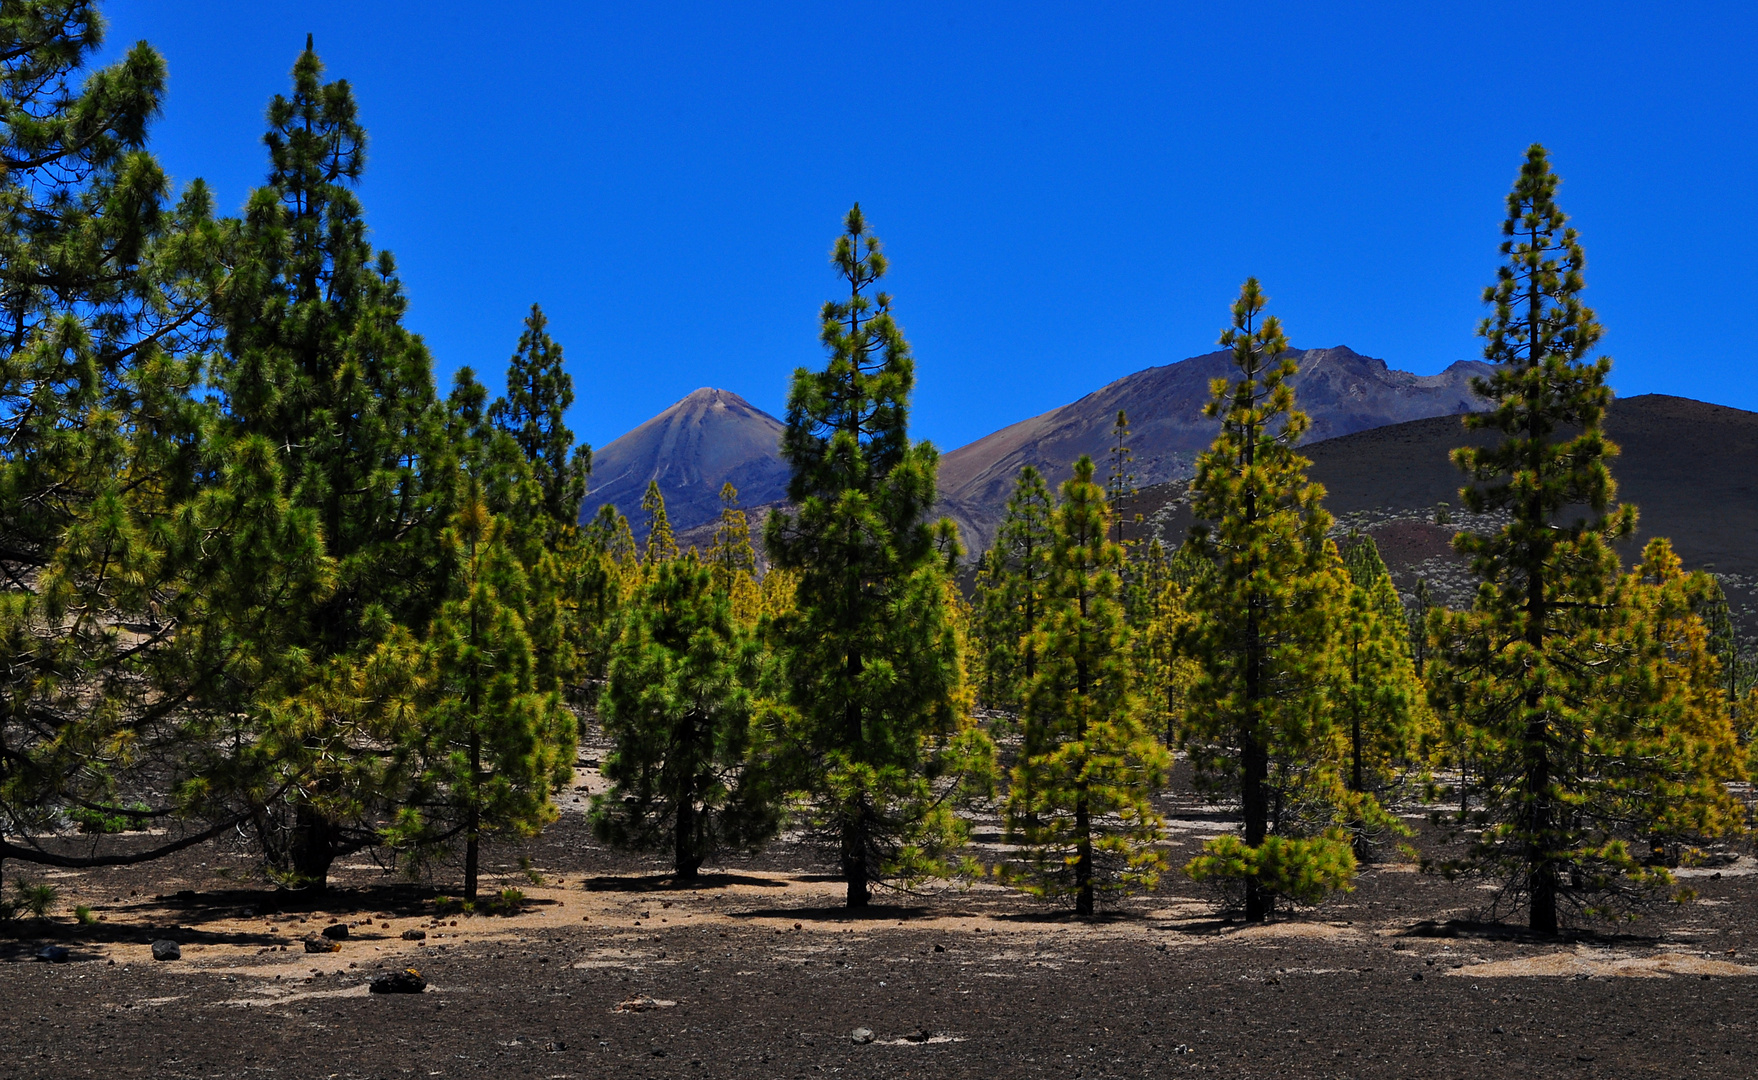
(613, 970)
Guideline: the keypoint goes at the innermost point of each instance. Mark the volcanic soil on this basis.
(613, 969)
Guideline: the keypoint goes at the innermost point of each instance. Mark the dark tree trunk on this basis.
(312, 850)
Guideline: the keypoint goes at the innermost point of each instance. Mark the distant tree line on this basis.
(259, 578)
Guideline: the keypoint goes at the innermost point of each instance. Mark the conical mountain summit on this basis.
(709, 438)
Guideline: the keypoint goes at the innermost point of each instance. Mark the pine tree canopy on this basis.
(539, 393)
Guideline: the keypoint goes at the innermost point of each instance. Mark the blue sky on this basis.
(1069, 192)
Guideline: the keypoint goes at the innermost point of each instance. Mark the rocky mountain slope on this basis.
(708, 439)
(1340, 389)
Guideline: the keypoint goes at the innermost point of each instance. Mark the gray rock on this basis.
(53, 954)
(861, 1036)
(336, 932)
(317, 944)
(415, 935)
(167, 950)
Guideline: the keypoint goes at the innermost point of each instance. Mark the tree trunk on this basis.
(1254, 797)
(685, 858)
(311, 851)
(854, 826)
(1083, 823)
(473, 829)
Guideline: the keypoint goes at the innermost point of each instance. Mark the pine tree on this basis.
(1079, 805)
(1264, 629)
(1421, 601)
(539, 393)
(1164, 672)
(105, 296)
(662, 546)
(492, 747)
(317, 363)
(871, 652)
(1010, 595)
(733, 561)
(1378, 696)
(679, 707)
(1552, 679)
(1120, 484)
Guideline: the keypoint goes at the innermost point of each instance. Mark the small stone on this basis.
(407, 981)
(316, 944)
(415, 935)
(53, 954)
(861, 1036)
(336, 932)
(167, 950)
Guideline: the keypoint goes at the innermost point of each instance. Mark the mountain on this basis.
(1341, 390)
(1691, 469)
(709, 438)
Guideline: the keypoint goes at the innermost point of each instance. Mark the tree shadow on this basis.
(1479, 930)
(870, 913)
(672, 883)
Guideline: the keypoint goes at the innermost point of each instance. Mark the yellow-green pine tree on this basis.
(1080, 802)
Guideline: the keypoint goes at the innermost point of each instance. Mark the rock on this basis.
(861, 1036)
(415, 935)
(336, 932)
(167, 950)
(317, 944)
(53, 954)
(407, 981)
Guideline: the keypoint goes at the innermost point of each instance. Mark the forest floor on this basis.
(614, 970)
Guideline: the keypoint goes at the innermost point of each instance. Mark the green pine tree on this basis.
(1378, 697)
(1080, 802)
(1011, 590)
(871, 650)
(318, 364)
(679, 706)
(1120, 484)
(539, 393)
(662, 546)
(1264, 630)
(1555, 679)
(106, 289)
(492, 748)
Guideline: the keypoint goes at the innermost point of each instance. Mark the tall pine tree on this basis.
(872, 655)
(1552, 679)
(1011, 590)
(318, 364)
(492, 747)
(1264, 631)
(1079, 805)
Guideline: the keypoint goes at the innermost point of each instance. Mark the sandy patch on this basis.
(1602, 963)
(1296, 931)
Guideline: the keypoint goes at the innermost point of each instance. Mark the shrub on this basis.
(1302, 871)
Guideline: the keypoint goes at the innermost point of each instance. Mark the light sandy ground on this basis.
(1606, 963)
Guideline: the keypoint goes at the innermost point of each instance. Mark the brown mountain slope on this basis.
(709, 438)
(1690, 467)
(1341, 390)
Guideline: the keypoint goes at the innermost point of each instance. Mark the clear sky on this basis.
(1068, 192)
